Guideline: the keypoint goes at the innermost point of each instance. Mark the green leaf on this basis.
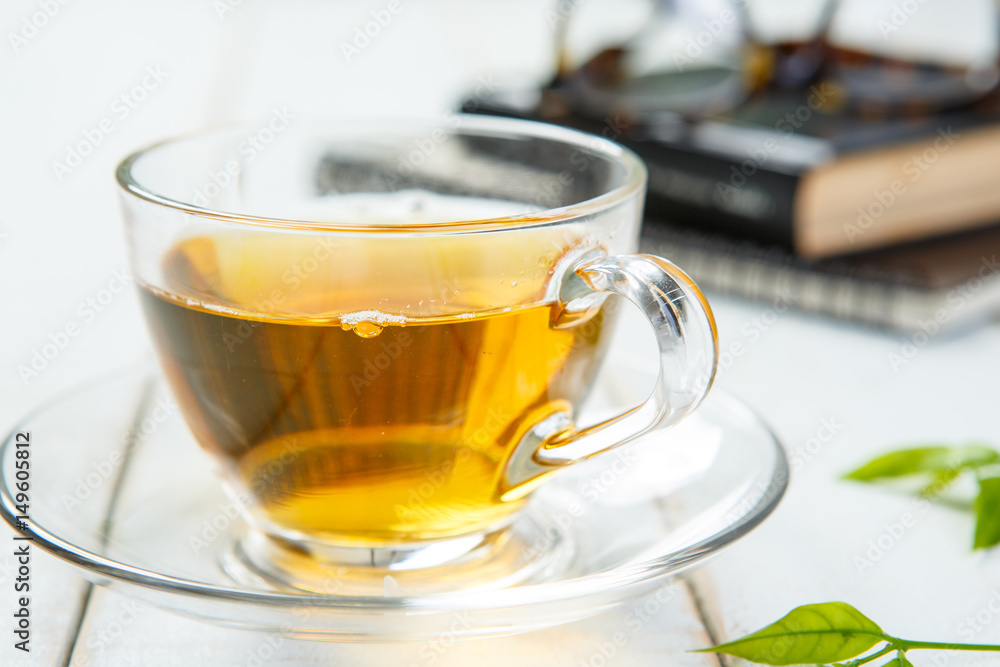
(939, 484)
(987, 513)
(925, 460)
(811, 634)
(899, 661)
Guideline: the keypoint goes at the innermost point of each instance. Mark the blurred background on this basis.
(827, 170)
(750, 203)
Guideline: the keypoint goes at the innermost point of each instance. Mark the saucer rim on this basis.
(544, 592)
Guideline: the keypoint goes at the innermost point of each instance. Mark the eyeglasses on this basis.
(896, 58)
(693, 57)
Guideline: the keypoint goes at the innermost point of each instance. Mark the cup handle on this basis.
(685, 334)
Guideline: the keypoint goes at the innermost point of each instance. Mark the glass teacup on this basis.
(382, 333)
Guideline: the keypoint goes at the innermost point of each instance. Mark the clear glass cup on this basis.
(382, 332)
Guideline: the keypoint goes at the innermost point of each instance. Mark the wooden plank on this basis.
(61, 240)
(643, 634)
(57, 593)
(837, 396)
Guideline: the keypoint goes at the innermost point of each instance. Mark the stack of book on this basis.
(888, 220)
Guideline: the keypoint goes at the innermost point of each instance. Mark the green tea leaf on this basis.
(899, 661)
(939, 484)
(925, 460)
(987, 513)
(811, 634)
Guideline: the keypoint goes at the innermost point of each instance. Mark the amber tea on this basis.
(352, 424)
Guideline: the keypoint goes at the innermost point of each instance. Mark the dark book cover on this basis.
(747, 173)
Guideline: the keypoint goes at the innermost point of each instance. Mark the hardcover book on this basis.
(785, 169)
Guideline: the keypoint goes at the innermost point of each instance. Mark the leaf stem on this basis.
(868, 658)
(906, 645)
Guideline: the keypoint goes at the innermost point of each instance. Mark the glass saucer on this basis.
(120, 489)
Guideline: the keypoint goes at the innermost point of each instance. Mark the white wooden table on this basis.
(828, 389)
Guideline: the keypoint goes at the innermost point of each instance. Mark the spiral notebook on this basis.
(927, 285)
